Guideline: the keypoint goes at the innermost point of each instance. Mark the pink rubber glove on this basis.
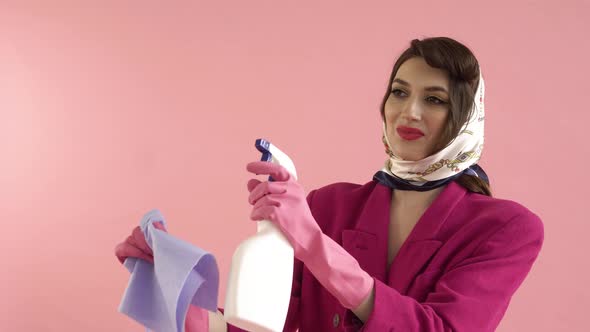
(136, 246)
(197, 319)
(283, 202)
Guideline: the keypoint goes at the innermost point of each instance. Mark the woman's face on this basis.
(416, 110)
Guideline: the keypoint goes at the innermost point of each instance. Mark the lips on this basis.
(409, 133)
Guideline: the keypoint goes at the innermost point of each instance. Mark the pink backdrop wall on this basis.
(111, 109)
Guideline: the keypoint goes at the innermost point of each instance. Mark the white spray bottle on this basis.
(261, 273)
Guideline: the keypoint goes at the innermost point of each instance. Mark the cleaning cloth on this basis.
(158, 295)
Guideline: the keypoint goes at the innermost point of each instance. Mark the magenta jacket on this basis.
(456, 271)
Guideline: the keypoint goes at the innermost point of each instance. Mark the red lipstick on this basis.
(409, 133)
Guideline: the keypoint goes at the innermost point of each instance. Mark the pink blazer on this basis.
(456, 271)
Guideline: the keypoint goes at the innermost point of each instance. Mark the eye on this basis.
(436, 101)
(396, 92)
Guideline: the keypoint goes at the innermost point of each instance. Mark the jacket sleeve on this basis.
(472, 295)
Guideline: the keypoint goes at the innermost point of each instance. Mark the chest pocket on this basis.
(365, 248)
(424, 284)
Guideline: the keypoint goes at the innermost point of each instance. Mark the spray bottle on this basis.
(261, 273)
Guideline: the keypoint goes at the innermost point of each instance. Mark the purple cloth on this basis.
(158, 295)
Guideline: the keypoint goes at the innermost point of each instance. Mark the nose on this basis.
(412, 109)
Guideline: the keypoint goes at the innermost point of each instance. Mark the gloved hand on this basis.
(197, 319)
(282, 198)
(283, 202)
(136, 246)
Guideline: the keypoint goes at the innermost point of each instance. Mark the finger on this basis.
(124, 250)
(268, 200)
(159, 225)
(119, 252)
(140, 240)
(278, 172)
(252, 183)
(129, 251)
(266, 188)
(130, 242)
(263, 213)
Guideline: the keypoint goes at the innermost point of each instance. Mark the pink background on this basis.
(112, 109)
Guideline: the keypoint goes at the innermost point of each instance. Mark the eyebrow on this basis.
(428, 88)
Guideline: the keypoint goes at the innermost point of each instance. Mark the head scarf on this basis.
(459, 156)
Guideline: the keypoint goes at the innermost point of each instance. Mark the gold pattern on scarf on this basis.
(451, 164)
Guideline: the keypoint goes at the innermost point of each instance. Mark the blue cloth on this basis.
(158, 295)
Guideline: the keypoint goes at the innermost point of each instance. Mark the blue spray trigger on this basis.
(263, 146)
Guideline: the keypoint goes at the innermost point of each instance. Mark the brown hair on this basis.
(463, 69)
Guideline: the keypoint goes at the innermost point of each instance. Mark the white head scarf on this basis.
(461, 153)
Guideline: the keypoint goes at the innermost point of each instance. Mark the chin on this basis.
(408, 156)
(412, 158)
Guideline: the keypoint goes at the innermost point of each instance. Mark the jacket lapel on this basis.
(422, 243)
(368, 242)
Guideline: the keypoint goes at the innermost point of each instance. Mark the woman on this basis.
(421, 247)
